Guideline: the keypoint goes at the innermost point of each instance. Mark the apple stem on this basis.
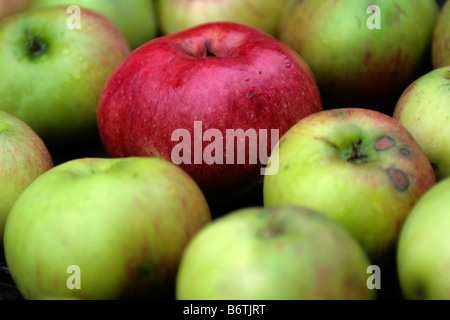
(356, 153)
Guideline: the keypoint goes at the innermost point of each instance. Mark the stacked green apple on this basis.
(54, 70)
(441, 41)
(423, 253)
(283, 253)
(97, 228)
(23, 158)
(363, 53)
(357, 166)
(424, 109)
(178, 15)
(136, 19)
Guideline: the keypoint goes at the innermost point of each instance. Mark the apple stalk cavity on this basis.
(36, 46)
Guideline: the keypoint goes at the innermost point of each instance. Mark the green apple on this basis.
(100, 228)
(53, 74)
(441, 41)
(23, 158)
(8, 7)
(423, 253)
(282, 253)
(178, 15)
(135, 18)
(359, 167)
(424, 109)
(363, 53)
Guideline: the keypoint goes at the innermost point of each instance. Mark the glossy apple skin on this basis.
(423, 253)
(424, 109)
(178, 15)
(283, 253)
(356, 66)
(136, 19)
(23, 158)
(123, 222)
(441, 40)
(253, 82)
(56, 91)
(370, 196)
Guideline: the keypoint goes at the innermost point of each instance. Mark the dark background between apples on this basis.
(389, 289)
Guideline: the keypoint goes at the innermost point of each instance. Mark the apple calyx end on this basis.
(36, 46)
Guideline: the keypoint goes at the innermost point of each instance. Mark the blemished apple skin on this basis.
(357, 166)
(284, 253)
(441, 41)
(136, 19)
(23, 158)
(424, 109)
(123, 222)
(55, 74)
(252, 82)
(423, 253)
(356, 66)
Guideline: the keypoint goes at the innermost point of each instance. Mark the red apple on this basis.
(213, 77)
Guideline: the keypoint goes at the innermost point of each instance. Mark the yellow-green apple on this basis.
(8, 7)
(23, 158)
(441, 41)
(287, 253)
(136, 19)
(100, 228)
(53, 72)
(178, 15)
(211, 99)
(363, 53)
(358, 166)
(424, 109)
(423, 253)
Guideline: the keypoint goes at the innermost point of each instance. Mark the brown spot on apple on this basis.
(405, 152)
(447, 74)
(384, 143)
(398, 178)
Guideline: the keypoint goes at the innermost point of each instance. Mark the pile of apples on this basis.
(225, 150)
